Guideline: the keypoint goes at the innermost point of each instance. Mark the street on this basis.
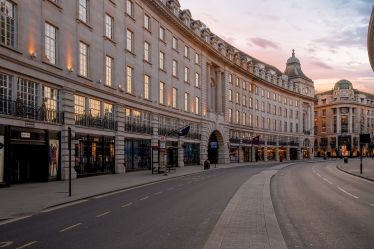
(318, 206)
(177, 213)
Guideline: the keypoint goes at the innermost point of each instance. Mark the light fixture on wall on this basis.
(71, 70)
(99, 81)
(121, 88)
(34, 55)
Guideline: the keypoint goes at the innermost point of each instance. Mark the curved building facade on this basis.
(340, 116)
(126, 77)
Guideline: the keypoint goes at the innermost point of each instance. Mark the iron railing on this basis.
(142, 129)
(323, 144)
(22, 110)
(272, 143)
(96, 122)
(261, 142)
(234, 140)
(247, 141)
(169, 132)
(283, 143)
(306, 132)
(193, 135)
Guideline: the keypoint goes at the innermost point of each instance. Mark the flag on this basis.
(184, 131)
(256, 140)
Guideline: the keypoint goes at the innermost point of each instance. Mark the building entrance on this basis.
(213, 149)
(28, 163)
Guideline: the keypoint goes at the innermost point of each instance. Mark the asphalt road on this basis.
(178, 213)
(318, 206)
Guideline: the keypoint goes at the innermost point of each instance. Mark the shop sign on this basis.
(29, 124)
(25, 135)
(162, 139)
(162, 145)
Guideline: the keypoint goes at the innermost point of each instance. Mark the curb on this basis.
(350, 173)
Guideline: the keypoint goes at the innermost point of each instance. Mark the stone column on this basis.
(208, 87)
(180, 152)
(265, 149)
(277, 149)
(154, 141)
(288, 152)
(253, 154)
(219, 91)
(350, 121)
(120, 140)
(67, 99)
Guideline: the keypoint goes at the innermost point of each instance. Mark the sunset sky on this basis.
(329, 36)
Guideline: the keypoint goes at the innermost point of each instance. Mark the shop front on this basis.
(137, 154)
(270, 152)
(191, 154)
(234, 154)
(306, 153)
(293, 153)
(28, 155)
(247, 154)
(94, 155)
(282, 153)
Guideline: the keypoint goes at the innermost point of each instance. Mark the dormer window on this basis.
(206, 38)
(186, 21)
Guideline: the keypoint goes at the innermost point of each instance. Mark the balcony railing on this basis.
(164, 131)
(283, 143)
(306, 132)
(261, 142)
(247, 141)
(23, 110)
(193, 135)
(96, 122)
(234, 140)
(323, 144)
(141, 129)
(272, 143)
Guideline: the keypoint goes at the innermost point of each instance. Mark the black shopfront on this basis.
(94, 155)
(137, 154)
(26, 155)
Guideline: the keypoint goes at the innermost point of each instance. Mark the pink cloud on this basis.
(263, 43)
(321, 64)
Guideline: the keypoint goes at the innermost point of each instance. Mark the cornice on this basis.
(182, 27)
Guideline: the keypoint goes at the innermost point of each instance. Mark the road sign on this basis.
(162, 139)
(162, 145)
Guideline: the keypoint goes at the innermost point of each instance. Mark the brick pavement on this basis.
(249, 220)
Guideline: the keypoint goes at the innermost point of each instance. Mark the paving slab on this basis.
(353, 167)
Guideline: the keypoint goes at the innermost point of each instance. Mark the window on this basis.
(262, 123)
(6, 86)
(52, 99)
(297, 115)
(268, 127)
(79, 105)
(250, 87)
(280, 111)
(109, 70)
(237, 121)
(186, 51)
(268, 95)
(197, 58)
(162, 34)
(256, 104)
(230, 115)
(262, 92)
(280, 125)
(8, 24)
(256, 90)
(296, 103)
(250, 102)
(130, 8)
(147, 51)
(186, 73)
(175, 68)
(244, 84)
(237, 81)
(50, 43)
(285, 126)
(291, 127)
(291, 102)
(83, 13)
(175, 97)
(262, 106)
(297, 128)
(274, 125)
(175, 43)
(279, 98)
(147, 81)
(324, 112)
(237, 98)
(274, 97)
(285, 112)
(197, 103)
(275, 110)
(186, 101)
(197, 79)
(162, 60)
(244, 100)
(95, 110)
(147, 22)
(130, 40)
(83, 59)
(244, 119)
(109, 26)
(291, 113)
(230, 95)
(230, 78)
(162, 90)
(250, 119)
(269, 108)
(130, 79)
(285, 100)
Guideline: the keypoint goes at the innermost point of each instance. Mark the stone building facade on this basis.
(340, 116)
(122, 75)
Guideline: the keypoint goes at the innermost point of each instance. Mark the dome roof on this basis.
(293, 59)
(343, 84)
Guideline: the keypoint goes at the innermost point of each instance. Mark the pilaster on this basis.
(120, 141)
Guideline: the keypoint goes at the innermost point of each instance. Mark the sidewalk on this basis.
(30, 198)
(353, 167)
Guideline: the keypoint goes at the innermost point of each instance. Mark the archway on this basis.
(215, 144)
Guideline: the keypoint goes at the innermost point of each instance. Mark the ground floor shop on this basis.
(94, 155)
(191, 153)
(247, 154)
(270, 153)
(234, 154)
(137, 154)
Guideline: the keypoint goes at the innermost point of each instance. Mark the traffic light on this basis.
(302, 150)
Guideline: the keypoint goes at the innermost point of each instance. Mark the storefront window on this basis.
(191, 153)
(234, 154)
(137, 154)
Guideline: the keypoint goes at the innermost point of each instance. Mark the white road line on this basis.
(170, 188)
(62, 206)
(127, 205)
(102, 214)
(63, 230)
(29, 244)
(158, 193)
(144, 198)
(348, 193)
(327, 180)
(319, 175)
(13, 220)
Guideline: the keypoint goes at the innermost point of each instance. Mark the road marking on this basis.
(13, 220)
(180, 185)
(144, 198)
(327, 180)
(127, 205)
(347, 193)
(170, 188)
(158, 193)
(6, 243)
(102, 214)
(29, 244)
(319, 175)
(62, 206)
(372, 205)
(188, 182)
(63, 230)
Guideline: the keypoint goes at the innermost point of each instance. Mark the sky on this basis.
(329, 36)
